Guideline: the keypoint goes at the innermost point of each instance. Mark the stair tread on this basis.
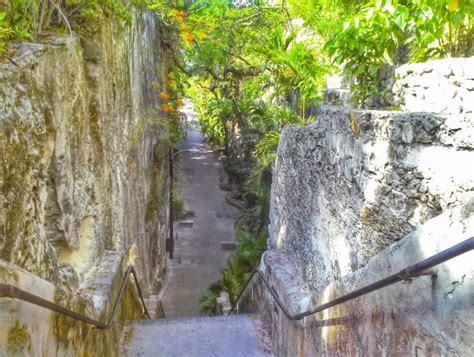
(190, 320)
(234, 335)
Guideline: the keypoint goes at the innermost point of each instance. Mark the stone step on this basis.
(186, 223)
(234, 335)
(189, 214)
(228, 244)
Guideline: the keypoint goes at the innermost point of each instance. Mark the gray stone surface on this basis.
(235, 335)
(427, 316)
(442, 86)
(83, 169)
(338, 96)
(29, 330)
(354, 182)
(84, 180)
(199, 256)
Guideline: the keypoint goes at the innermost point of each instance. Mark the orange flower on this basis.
(164, 95)
(179, 16)
(188, 38)
(168, 109)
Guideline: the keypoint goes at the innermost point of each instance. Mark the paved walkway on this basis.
(220, 336)
(198, 256)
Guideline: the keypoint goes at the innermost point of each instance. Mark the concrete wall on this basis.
(442, 86)
(84, 169)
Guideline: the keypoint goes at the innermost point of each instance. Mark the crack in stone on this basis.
(456, 284)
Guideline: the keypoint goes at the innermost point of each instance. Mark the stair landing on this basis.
(234, 335)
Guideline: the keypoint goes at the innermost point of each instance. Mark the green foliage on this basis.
(367, 41)
(29, 19)
(251, 71)
(208, 301)
(250, 247)
(211, 122)
(265, 154)
(248, 64)
(441, 28)
(86, 17)
(5, 31)
(292, 65)
(323, 16)
(370, 39)
(178, 205)
(254, 67)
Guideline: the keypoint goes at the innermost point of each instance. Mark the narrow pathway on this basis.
(198, 256)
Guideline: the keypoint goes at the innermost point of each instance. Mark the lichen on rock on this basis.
(75, 179)
(18, 339)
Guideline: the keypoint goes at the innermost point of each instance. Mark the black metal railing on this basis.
(13, 292)
(424, 267)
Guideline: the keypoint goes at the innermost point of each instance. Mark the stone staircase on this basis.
(202, 336)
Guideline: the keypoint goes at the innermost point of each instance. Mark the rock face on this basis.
(353, 199)
(427, 316)
(84, 156)
(346, 193)
(442, 86)
(349, 185)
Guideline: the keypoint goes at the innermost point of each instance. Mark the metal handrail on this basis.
(423, 267)
(7, 290)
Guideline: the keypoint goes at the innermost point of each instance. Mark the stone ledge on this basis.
(427, 315)
(285, 277)
(438, 234)
(96, 293)
(54, 333)
(101, 278)
(356, 181)
(443, 86)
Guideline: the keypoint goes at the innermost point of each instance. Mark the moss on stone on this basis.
(155, 199)
(18, 338)
(367, 214)
(7, 275)
(138, 130)
(65, 328)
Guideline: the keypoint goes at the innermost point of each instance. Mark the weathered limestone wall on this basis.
(349, 185)
(27, 330)
(428, 316)
(345, 191)
(84, 169)
(442, 86)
